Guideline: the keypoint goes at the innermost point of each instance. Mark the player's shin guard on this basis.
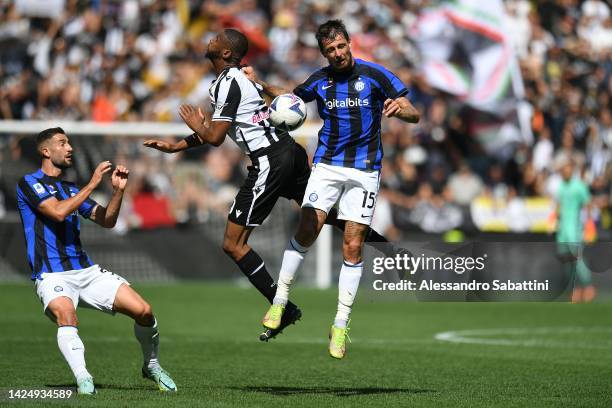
(350, 274)
(148, 337)
(292, 259)
(72, 348)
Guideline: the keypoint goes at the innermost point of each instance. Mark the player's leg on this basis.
(356, 206)
(128, 302)
(322, 191)
(60, 296)
(235, 245)
(348, 284)
(311, 222)
(70, 344)
(373, 238)
(254, 268)
(108, 292)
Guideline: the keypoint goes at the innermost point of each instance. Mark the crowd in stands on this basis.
(138, 60)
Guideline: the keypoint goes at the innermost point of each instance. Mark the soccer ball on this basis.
(287, 112)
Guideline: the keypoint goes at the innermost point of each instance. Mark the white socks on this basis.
(292, 259)
(350, 274)
(148, 337)
(72, 348)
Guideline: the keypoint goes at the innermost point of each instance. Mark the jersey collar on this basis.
(41, 175)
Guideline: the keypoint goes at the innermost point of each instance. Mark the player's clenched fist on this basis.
(119, 178)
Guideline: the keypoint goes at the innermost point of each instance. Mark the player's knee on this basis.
(66, 318)
(352, 251)
(307, 231)
(144, 314)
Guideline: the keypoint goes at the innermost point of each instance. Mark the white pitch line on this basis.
(471, 337)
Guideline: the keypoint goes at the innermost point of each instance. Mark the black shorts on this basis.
(281, 170)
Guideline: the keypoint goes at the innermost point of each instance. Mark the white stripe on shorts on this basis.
(262, 176)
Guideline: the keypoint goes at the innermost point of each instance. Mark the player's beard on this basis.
(62, 164)
(349, 63)
(212, 55)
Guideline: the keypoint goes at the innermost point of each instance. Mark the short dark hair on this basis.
(48, 134)
(238, 44)
(329, 31)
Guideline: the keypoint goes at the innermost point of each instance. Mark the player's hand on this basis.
(160, 145)
(391, 108)
(99, 172)
(119, 178)
(249, 72)
(194, 118)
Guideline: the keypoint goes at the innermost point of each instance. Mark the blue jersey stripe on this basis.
(344, 129)
(367, 125)
(355, 132)
(41, 260)
(69, 237)
(50, 243)
(333, 131)
(28, 230)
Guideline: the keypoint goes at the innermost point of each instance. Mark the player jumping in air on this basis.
(279, 165)
(64, 274)
(352, 95)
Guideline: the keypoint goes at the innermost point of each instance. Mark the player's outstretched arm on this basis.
(270, 90)
(401, 108)
(58, 210)
(188, 142)
(107, 216)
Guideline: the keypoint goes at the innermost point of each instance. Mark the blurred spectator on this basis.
(151, 210)
(464, 185)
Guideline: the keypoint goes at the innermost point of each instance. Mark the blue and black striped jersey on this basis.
(351, 104)
(51, 246)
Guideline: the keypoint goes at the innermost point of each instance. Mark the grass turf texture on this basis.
(209, 344)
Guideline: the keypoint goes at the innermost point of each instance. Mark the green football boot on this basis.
(337, 341)
(272, 319)
(160, 377)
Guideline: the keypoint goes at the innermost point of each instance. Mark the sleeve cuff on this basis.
(401, 93)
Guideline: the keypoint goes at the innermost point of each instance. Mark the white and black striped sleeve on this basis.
(227, 100)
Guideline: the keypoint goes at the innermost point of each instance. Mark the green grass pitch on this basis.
(503, 354)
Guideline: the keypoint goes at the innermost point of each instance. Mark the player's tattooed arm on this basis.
(401, 108)
(107, 216)
(270, 90)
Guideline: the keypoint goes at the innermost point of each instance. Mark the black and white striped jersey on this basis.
(238, 100)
